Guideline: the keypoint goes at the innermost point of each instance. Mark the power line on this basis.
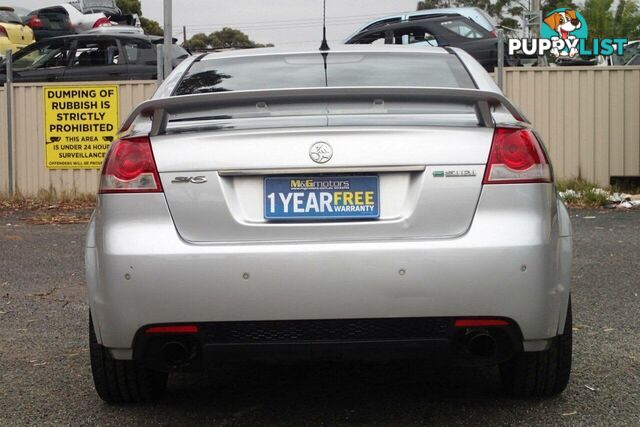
(244, 29)
(270, 26)
(287, 21)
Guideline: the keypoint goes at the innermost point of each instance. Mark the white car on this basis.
(80, 22)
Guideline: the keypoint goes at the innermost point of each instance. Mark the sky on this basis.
(287, 23)
(281, 22)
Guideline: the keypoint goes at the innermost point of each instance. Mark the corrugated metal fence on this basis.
(30, 174)
(589, 118)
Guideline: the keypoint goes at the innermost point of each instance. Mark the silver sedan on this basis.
(363, 202)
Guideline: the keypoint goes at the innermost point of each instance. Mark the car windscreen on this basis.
(42, 55)
(9, 17)
(414, 69)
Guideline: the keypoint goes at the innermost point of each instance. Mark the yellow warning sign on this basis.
(80, 123)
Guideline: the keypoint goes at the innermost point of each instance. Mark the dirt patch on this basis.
(41, 212)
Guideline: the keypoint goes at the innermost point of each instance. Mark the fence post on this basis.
(8, 89)
(500, 59)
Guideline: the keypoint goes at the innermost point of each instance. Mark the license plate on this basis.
(321, 197)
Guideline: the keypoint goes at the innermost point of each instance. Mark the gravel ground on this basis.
(45, 376)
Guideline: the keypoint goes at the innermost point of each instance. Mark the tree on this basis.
(432, 4)
(148, 25)
(626, 21)
(129, 6)
(603, 23)
(198, 41)
(552, 5)
(227, 38)
(599, 18)
(151, 27)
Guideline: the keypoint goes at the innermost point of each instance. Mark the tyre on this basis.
(123, 381)
(543, 373)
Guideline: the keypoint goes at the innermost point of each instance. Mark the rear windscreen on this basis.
(414, 69)
(9, 17)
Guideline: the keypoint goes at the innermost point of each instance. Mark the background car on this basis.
(444, 29)
(91, 57)
(631, 55)
(475, 14)
(14, 34)
(49, 22)
(108, 7)
(78, 20)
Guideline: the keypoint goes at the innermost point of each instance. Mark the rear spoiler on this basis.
(160, 109)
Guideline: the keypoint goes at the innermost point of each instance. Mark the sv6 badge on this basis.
(189, 179)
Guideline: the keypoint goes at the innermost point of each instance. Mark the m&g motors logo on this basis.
(563, 33)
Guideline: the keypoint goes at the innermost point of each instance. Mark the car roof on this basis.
(464, 12)
(457, 10)
(337, 48)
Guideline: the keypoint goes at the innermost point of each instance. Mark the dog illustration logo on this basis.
(566, 24)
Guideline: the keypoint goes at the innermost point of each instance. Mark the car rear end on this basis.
(362, 213)
(13, 34)
(49, 22)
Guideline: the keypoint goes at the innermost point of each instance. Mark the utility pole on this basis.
(168, 39)
(184, 34)
(534, 28)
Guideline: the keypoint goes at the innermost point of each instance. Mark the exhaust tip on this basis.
(176, 353)
(481, 344)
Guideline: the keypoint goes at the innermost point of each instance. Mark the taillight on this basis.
(35, 22)
(3, 32)
(130, 168)
(516, 157)
(493, 33)
(102, 22)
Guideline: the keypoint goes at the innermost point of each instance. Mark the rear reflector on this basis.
(478, 323)
(516, 157)
(130, 168)
(176, 329)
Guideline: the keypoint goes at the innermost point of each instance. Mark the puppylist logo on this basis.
(563, 33)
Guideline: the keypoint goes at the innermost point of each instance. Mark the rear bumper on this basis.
(512, 263)
(363, 339)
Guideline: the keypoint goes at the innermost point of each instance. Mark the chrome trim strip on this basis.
(297, 171)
